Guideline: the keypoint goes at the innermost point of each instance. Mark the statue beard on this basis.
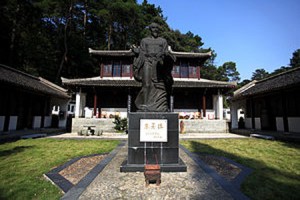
(155, 35)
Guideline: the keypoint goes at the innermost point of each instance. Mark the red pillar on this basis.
(198, 72)
(95, 105)
(204, 105)
(131, 71)
(101, 70)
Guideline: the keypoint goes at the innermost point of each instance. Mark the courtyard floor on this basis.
(105, 181)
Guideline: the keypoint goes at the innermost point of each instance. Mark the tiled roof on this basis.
(97, 81)
(202, 83)
(127, 82)
(129, 53)
(280, 81)
(26, 81)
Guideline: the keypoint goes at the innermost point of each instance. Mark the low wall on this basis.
(190, 126)
(204, 126)
(106, 125)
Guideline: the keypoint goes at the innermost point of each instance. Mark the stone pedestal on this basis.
(166, 153)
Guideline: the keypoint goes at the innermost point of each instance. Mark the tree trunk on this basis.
(85, 18)
(13, 37)
(109, 36)
(64, 57)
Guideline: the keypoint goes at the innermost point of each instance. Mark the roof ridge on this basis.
(279, 74)
(52, 85)
(18, 71)
(245, 87)
(204, 80)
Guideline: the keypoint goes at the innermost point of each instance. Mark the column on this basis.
(172, 103)
(284, 116)
(128, 101)
(220, 105)
(95, 104)
(78, 103)
(234, 117)
(204, 105)
(252, 113)
(215, 105)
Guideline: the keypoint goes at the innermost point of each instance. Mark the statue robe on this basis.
(153, 69)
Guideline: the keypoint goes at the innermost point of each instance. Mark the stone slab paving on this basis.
(123, 136)
(193, 184)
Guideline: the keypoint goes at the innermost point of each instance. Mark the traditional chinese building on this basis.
(26, 101)
(113, 91)
(270, 104)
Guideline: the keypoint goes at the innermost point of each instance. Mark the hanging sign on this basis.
(153, 130)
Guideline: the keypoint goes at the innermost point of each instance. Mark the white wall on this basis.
(47, 121)
(294, 124)
(36, 122)
(248, 122)
(257, 123)
(13, 120)
(279, 124)
(2, 119)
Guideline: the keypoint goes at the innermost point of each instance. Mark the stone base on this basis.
(166, 154)
(178, 167)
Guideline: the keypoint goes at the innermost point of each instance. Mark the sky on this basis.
(255, 34)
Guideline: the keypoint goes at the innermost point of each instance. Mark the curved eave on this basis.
(116, 53)
(129, 53)
(191, 54)
(97, 81)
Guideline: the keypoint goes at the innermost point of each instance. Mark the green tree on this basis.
(50, 38)
(259, 74)
(228, 72)
(295, 60)
(209, 69)
(244, 82)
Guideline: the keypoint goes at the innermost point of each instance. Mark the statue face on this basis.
(154, 31)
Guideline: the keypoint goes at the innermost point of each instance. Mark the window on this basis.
(184, 70)
(107, 69)
(176, 71)
(192, 72)
(125, 70)
(117, 69)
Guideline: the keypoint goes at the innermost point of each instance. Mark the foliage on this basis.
(50, 38)
(24, 162)
(259, 74)
(120, 123)
(295, 60)
(275, 164)
(228, 72)
(244, 82)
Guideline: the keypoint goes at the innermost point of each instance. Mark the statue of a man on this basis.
(153, 68)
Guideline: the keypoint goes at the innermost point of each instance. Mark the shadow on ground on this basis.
(262, 183)
(14, 150)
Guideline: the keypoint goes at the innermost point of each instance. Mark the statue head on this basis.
(154, 28)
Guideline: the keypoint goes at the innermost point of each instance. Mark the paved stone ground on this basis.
(123, 136)
(193, 184)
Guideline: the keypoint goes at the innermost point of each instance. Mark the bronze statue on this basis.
(153, 67)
